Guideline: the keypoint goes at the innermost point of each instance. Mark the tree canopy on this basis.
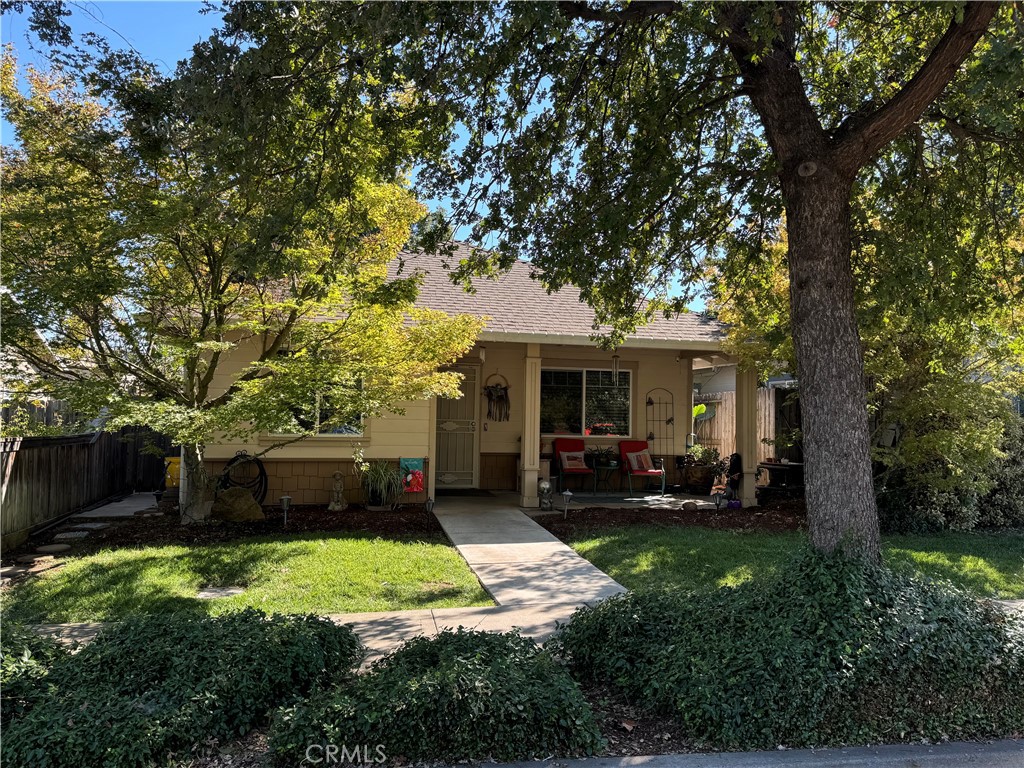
(212, 283)
(630, 147)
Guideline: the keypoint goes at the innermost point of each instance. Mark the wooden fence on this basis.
(719, 431)
(45, 478)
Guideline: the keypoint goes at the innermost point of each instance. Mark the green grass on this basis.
(302, 573)
(989, 565)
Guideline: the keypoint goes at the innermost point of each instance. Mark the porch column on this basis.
(529, 458)
(746, 432)
(432, 450)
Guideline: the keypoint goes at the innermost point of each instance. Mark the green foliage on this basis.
(462, 695)
(25, 660)
(383, 483)
(940, 366)
(206, 282)
(1004, 504)
(168, 684)
(706, 455)
(830, 651)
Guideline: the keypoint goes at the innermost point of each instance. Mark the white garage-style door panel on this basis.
(456, 434)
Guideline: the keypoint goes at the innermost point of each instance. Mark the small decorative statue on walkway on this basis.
(545, 492)
(338, 503)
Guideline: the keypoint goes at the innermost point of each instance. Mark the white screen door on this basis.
(456, 433)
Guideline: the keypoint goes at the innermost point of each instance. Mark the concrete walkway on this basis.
(518, 562)
(995, 754)
(126, 507)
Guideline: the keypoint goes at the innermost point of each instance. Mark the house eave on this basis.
(587, 341)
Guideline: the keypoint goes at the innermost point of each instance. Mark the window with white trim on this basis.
(585, 402)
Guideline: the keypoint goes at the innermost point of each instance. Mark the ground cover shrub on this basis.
(153, 686)
(831, 651)
(25, 660)
(462, 695)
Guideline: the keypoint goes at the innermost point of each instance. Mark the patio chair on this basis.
(563, 445)
(628, 448)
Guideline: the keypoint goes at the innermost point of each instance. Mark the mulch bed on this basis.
(166, 528)
(779, 516)
(628, 730)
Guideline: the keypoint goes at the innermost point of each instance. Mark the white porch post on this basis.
(529, 459)
(746, 432)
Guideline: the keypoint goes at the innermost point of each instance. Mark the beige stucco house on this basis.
(559, 383)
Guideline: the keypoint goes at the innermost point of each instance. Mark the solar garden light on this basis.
(566, 497)
(545, 492)
(286, 502)
(718, 498)
(428, 505)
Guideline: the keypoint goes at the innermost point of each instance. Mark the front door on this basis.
(457, 455)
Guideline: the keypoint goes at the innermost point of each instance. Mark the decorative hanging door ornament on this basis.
(499, 407)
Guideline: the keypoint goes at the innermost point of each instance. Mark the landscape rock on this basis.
(70, 535)
(236, 505)
(213, 593)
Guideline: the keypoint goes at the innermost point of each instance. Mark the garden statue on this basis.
(545, 492)
(338, 503)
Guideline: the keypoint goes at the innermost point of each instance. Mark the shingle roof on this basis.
(517, 305)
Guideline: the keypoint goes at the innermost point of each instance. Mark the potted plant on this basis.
(601, 456)
(383, 485)
(702, 466)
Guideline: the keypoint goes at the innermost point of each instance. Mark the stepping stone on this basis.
(11, 570)
(52, 549)
(90, 526)
(212, 593)
(28, 559)
(70, 535)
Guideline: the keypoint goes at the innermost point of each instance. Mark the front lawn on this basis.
(300, 573)
(989, 565)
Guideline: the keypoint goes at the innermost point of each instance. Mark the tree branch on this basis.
(637, 11)
(859, 142)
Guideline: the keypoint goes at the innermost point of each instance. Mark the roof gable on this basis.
(517, 305)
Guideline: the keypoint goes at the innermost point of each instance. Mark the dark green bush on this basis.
(1004, 504)
(461, 695)
(904, 507)
(25, 660)
(156, 685)
(832, 651)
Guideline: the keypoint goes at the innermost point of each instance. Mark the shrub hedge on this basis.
(1004, 504)
(461, 695)
(154, 686)
(832, 651)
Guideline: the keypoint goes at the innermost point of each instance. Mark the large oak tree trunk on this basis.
(830, 365)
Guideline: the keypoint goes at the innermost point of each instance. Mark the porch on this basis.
(519, 397)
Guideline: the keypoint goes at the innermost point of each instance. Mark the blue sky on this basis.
(163, 32)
